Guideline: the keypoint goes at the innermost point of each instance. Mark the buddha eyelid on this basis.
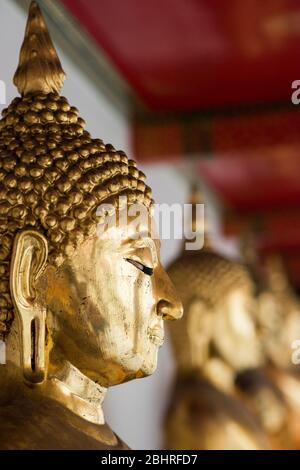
(140, 266)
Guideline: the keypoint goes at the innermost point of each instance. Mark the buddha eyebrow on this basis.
(143, 243)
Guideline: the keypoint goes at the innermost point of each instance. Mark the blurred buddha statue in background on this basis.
(257, 386)
(280, 322)
(80, 309)
(279, 317)
(216, 339)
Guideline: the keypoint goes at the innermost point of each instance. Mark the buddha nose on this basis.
(169, 306)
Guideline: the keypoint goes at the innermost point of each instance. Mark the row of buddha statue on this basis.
(82, 310)
(236, 386)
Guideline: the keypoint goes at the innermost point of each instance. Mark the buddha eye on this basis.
(140, 266)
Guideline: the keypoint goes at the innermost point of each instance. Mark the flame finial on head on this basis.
(199, 224)
(39, 69)
(196, 197)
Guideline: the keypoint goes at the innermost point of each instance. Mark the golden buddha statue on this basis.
(80, 309)
(215, 339)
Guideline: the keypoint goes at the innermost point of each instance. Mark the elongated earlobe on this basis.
(30, 253)
(199, 326)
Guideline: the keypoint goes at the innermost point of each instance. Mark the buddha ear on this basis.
(30, 253)
(199, 330)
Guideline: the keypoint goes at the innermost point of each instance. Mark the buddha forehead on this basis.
(128, 223)
(115, 249)
(136, 237)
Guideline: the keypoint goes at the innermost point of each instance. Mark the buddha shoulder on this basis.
(45, 424)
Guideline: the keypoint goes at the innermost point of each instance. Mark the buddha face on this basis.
(107, 304)
(234, 333)
(279, 322)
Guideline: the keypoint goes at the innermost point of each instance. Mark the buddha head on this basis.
(68, 292)
(218, 300)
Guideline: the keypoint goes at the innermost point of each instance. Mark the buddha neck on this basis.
(64, 384)
(78, 393)
(202, 359)
(215, 370)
